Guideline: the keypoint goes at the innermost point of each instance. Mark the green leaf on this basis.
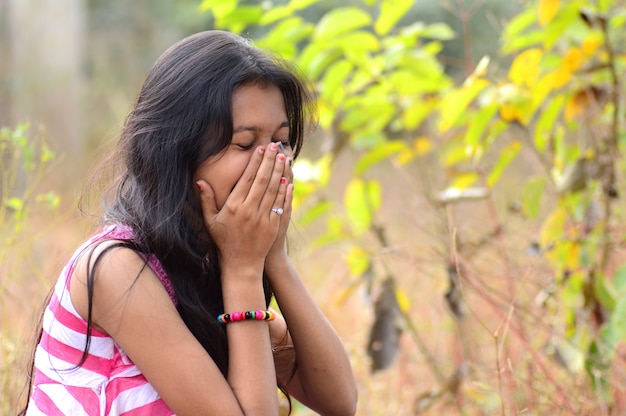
(51, 199)
(339, 21)
(378, 154)
(358, 261)
(284, 37)
(333, 83)
(531, 196)
(616, 326)
(314, 213)
(478, 124)
(301, 4)
(391, 11)
(367, 139)
(219, 8)
(456, 102)
(275, 13)
(334, 232)
(316, 57)
(506, 157)
(604, 5)
(15, 204)
(619, 280)
(358, 41)
(415, 113)
(513, 31)
(604, 292)
(239, 19)
(545, 124)
(361, 200)
(439, 31)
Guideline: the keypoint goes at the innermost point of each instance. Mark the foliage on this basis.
(557, 108)
(25, 161)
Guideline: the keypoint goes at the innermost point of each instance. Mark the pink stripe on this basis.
(45, 404)
(41, 378)
(69, 320)
(118, 386)
(72, 355)
(87, 398)
(120, 363)
(156, 408)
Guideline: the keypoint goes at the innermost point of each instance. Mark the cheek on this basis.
(224, 176)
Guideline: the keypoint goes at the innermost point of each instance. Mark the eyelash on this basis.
(246, 147)
(249, 146)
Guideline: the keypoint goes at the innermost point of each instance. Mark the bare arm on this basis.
(323, 378)
(134, 308)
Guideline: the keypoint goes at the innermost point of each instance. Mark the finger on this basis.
(288, 204)
(274, 185)
(207, 201)
(288, 152)
(244, 184)
(265, 177)
(279, 201)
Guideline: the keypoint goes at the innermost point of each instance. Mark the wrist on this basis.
(276, 260)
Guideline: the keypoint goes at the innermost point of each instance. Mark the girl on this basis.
(165, 310)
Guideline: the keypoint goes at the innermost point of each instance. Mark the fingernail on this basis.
(261, 149)
(273, 146)
(280, 157)
(290, 161)
(283, 180)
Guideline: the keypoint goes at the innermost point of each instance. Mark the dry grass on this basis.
(496, 360)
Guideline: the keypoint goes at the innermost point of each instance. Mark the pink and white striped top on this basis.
(108, 383)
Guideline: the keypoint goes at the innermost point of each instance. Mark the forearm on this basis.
(323, 367)
(251, 372)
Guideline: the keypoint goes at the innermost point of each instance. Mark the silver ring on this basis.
(278, 211)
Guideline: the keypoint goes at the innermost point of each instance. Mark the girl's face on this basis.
(259, 118)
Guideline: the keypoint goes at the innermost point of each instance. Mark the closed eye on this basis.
(244, 146)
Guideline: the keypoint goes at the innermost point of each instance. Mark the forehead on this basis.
(257, 101)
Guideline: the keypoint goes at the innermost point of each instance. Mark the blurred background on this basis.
(466, 272)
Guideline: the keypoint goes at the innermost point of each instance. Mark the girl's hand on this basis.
(245, 228)
(278, 248)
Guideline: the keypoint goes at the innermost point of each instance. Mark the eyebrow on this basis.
(257, 128)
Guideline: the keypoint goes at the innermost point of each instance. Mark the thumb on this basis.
(207, 200)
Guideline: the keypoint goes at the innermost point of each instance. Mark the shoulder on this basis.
(111, 276)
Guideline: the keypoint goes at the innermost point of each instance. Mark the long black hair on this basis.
(183, 116)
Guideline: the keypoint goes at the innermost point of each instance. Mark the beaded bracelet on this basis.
(257, 315)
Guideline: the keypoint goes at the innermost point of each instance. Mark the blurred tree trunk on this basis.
(43, 48)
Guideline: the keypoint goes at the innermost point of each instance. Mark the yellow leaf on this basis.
(572, 262)
(590, 45)
(525, 67)
(560, 77)
(422, 146)
(542, 88)
(547, 10)
(553, 228)
(403, 300)
(572, 60)
(405, 157)
(358, 261)
(585, 99)
(465, 180)
(342, 296)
